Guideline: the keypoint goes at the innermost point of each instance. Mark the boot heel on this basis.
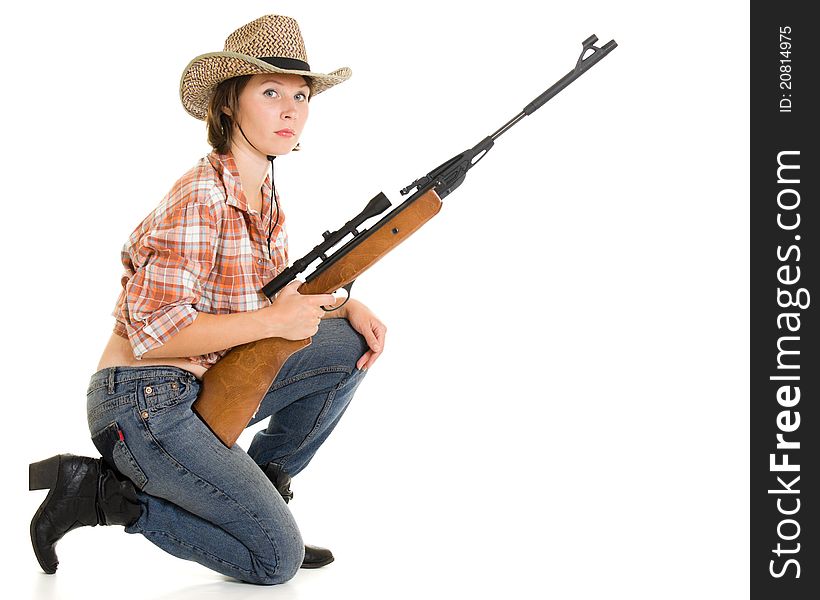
(43, 475)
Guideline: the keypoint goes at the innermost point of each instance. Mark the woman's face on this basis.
(272, 112)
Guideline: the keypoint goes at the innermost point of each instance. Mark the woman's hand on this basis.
(366, 323)
(296, 316)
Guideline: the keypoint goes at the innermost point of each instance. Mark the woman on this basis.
(193, 269)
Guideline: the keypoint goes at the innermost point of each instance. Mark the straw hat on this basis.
(270, 44)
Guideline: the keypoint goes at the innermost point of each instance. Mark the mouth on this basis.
(286, 132)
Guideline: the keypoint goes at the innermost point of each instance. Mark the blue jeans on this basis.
(200, 500)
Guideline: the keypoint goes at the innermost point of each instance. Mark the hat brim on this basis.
(205, 72)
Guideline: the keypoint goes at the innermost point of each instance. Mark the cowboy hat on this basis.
(270, 44)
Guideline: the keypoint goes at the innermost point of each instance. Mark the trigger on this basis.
(347, 288)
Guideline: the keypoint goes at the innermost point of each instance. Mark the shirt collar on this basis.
(225, 166)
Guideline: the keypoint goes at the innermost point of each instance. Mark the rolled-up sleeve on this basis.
(164, 277)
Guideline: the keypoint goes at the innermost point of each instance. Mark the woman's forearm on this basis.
(212, 333)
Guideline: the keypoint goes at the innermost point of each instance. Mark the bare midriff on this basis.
(118, 353)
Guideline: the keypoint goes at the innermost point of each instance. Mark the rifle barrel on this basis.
(581, 67)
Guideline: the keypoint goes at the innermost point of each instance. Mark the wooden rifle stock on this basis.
(234, 387)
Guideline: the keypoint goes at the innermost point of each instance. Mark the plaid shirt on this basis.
(202, 249)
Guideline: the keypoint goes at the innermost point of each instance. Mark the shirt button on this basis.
(260, 261)
(149, 390)
(144, 414)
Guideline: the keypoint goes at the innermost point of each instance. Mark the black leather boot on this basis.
(315, 557)
(82, 491)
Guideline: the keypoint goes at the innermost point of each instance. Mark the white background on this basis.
(561, 410)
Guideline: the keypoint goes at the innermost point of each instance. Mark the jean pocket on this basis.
(110, 442)
(165, 393)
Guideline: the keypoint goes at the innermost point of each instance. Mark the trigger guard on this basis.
(346, 288)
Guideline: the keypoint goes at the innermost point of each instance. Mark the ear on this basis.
(227, 111)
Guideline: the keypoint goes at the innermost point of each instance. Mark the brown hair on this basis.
(226, 95)
(220, 125)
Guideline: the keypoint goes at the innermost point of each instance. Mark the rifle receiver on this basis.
(377, 205)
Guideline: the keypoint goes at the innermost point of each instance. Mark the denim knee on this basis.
(290, 553)
(348, 345)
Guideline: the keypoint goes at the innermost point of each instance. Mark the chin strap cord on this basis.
(271, 225)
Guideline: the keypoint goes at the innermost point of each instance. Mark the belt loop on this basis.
(111, 373)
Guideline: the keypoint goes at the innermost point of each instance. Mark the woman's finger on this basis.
(371, 338)
(363, 360)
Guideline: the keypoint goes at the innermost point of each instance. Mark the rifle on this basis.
(233, 388)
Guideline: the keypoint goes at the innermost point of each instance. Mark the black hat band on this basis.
(292, 64)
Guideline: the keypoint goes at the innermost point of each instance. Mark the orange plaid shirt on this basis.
(202, 249)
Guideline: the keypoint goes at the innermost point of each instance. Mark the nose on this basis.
(289, 110)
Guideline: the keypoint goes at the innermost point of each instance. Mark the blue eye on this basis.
(272, 93)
